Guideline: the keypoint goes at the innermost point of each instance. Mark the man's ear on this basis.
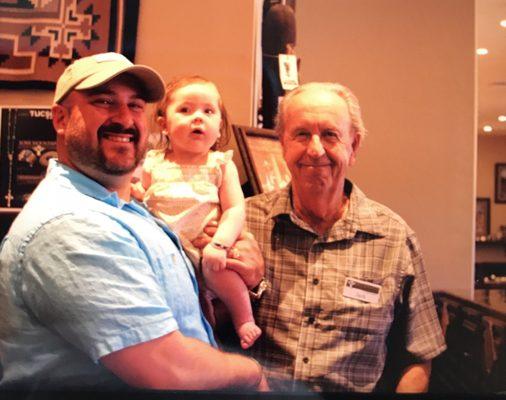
(355, 146)
(61, 116)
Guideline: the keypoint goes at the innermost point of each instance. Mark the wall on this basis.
(214, 39)
(412, 66)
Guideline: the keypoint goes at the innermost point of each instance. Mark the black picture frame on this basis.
(500, 183)
(262, 155)
(27, 143)
(482, 218)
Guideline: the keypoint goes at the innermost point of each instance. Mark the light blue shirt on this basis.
(84, 274)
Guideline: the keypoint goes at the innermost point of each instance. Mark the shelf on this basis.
(491, 242)
(9, 210)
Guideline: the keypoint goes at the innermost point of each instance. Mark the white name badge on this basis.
(288, 74)
(361, 290)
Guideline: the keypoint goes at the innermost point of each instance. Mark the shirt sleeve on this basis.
(219, 158)
(424, 335)
(86, 278)
(153, 157)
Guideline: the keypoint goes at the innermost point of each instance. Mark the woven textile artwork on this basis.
(39, 38)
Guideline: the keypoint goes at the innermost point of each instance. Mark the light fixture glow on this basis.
(482, 51)
(487, 128)
(502, 118)
(503, 23)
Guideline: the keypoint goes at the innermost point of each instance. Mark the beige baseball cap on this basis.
(90, 72)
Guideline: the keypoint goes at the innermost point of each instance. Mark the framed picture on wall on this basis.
(500, 183)
(262, 156)
(482, 217)
(41, 38)
(27, 143)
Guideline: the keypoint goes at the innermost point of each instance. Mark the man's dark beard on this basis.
(81, 151)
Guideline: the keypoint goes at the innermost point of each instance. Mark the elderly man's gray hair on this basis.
(346, 94)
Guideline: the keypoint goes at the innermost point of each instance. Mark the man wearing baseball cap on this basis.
(94, 292)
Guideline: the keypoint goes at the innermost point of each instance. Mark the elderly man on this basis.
(345, 272)
(94, 291)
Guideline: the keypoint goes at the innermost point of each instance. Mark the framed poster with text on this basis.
(27, 142)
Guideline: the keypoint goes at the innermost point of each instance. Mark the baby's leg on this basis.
(230, 288)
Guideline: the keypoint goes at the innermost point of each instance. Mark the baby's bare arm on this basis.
(231, 221)
(244, 257)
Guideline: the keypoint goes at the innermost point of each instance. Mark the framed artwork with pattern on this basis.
(262, 156)
(39, 39)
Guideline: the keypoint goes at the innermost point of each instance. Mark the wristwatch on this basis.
(256, 292)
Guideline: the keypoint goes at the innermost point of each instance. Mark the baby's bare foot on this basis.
(248, 333)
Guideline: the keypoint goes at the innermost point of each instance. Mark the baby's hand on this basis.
(213, 258)
(137, 190)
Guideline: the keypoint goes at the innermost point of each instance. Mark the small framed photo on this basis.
(500, 183)
(262, 155)
(482, 218)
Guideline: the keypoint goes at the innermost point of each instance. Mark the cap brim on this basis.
(153, 85)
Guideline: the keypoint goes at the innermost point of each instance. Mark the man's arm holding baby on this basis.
(177, 362)
(231, 222)
(244, 257)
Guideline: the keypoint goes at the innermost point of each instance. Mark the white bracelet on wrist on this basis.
(220, 246)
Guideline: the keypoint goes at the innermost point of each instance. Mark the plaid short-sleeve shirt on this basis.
(313, 336)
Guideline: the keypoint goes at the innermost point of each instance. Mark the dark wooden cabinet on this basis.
(474, 361)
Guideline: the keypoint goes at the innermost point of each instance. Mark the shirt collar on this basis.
(74, 180)
(71, 178)
(361, 214)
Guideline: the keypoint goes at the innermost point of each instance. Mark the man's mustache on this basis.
(118, 128)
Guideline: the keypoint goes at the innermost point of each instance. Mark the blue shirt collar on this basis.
(72, 178)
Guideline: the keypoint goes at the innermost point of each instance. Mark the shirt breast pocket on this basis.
(360, 316)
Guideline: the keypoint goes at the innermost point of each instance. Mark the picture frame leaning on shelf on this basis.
(262, 155)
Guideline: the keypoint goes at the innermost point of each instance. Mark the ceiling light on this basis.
(502, 118)
(481, 51)
(503, 23)
(487, 128)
